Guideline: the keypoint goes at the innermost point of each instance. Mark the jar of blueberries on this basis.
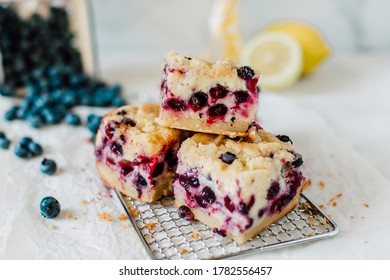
(47, 58)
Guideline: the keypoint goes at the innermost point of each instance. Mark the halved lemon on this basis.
(277, 56)
(314, 46)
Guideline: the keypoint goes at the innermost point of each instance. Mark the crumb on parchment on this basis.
(105, 217)
(122, 217)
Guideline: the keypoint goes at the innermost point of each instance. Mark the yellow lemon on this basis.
(277, 56)
(314, 47)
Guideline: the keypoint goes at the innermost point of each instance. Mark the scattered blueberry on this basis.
(245, 72)
(217, 110)
(228, 157)
(284, 138)
(50, 207)
(73, 119)
(35, 121)
(22, 152)
(2, 134)
(185, 213)
(4, 143)
(218, 92)
(198, 100)
(93, 123)
(35, 149)
(10, 114)
(39, 55)
(48, 166)
(25, 141)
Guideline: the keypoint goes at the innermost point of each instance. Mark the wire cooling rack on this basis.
(167, 236)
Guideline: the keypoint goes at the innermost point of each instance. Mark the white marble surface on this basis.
(338, 119)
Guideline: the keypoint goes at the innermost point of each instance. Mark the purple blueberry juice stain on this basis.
(221, 232)
(229, 204)
(251, 202)
(109, 130)
(123, 138)
(110, 161)
(273, 190)
(251, 85)
(278, 204)
(158, 170)
(249, 224)
(261, 212)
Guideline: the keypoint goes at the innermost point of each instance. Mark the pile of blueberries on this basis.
(43, 67)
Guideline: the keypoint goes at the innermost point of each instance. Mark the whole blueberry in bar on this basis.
(200, 96)
(242, 185)
(135, 155)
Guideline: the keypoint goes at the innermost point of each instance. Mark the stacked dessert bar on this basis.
(203, 146)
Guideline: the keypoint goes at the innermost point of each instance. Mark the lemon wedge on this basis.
(314, 47)
(277, 56)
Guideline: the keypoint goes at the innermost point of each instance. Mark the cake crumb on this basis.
(352, 217)
(312, 233)
(306, 204)
(321, 184)
(150, 226)
(324, 221)
(75, 218)
(68, 216)
(183, 251)
(84, 202)
(105, 217)
(122, 217)
(134, 212)
(195, 235)
(366, 242)
(334, 204)
(366, 205)
(321, 206)
(312, 221)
